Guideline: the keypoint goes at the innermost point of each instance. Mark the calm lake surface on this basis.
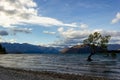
(65, 63)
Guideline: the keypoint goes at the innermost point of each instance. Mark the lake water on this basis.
(65, 63)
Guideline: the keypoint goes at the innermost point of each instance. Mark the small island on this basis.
(2, 50)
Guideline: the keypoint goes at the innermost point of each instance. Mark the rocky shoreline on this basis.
(19, 74)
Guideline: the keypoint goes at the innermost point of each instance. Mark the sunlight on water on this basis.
(64, 63)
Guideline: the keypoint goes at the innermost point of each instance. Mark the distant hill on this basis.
(86, 49)
(27, 48)
(76, 49)
(114, 46)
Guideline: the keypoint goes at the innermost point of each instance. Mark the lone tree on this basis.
(96, 40)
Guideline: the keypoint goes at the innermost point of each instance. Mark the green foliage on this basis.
(96, 39)
(104, 41)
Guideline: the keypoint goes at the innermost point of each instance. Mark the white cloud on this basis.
(72, 36)
(8, 40)
(116, 19)
(47, 32)
(47, 21)
(112, 33)
(72, 33)
(115, 40)
(12, 41)
(83, 25)
(1, 39)
(14, 12)
(61, 29)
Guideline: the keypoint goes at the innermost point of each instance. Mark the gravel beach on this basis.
(17, 74)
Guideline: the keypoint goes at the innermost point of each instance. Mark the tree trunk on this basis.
(89, 57)
(93, 50)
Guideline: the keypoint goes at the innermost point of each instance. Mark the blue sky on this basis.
(58, 22)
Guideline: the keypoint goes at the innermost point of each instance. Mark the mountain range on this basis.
(86, 49)
(27, 48)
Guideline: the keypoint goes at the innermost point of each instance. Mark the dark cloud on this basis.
(112, 33)
(8, 12)
(3, 33)
(12, 1)
(21, 30)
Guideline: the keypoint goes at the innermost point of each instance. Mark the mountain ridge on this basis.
(30, 48)
(27, 48)
(86, 49)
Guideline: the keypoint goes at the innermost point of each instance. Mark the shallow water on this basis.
(65, 63)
